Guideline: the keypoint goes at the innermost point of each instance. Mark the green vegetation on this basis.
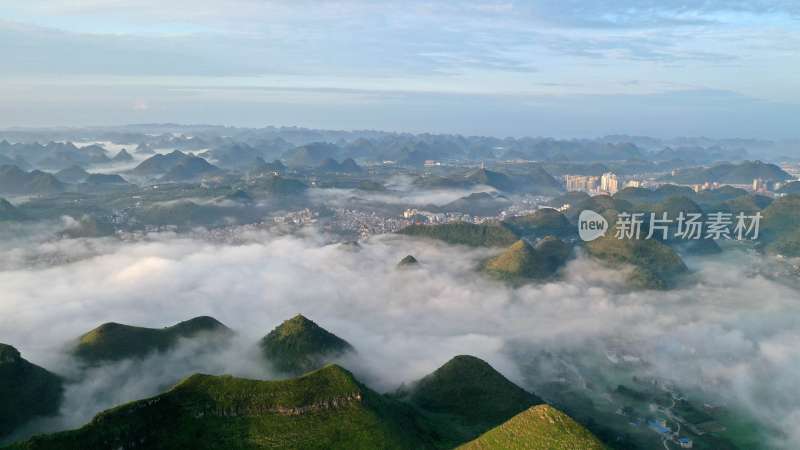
(471, 394)
(609, 207)
(544, 222)
(181, 213)
(159, 164)
(569, 198)
(743, 173)
(463, 233)
(638, 196)
(524, 262)
(72, 174)
(299, 345)
(538, 428)
(748, 204)
(478, 204)
(26, 390)
(191, 168)
(779, 227)
(277, 185)
(790, 188)
(326, 409)
(656, 266)
(497, 180)
(113, 341)
(674, 207)
(310, 155)
(16, 181)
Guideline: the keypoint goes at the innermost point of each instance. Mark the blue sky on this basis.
(571, 68)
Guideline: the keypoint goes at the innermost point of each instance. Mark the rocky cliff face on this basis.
(254, 408)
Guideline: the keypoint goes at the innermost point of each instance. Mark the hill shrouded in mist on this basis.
(27, 391)
(114, 341)
(473, 392)
(523, 261)
(324, 409)
(299, 345)
(484, 235)
(655, 265)
(743, 173)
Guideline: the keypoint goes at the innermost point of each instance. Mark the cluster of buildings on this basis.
(362, 224)
(608, 183)
(759, 186)
(762, 186)
(299, 218)
(792, 169)
(660, 427)
(420, 216)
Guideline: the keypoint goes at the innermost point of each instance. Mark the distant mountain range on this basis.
(231, 147)
(159, 164)
(728, 173)
(346, 166)
(191, 168)
(533, 181)
(15, 181)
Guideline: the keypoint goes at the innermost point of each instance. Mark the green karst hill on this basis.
(470, 395)
(673, 207)
(522, 261)
(463, 233)
(656, 265)
(114, 341)
(299, 345)
(325, 409)
(544, 222)
(608, 207)
(541, 427)
(497, 180)
(329, 409)
(780, 233)
(26, 390)
(408, 261)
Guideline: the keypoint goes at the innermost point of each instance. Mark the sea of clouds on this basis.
(733, 332)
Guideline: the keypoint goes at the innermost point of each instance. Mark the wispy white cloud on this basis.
(404, 324)
(541, 47)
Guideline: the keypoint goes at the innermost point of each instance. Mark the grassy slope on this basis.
(523, 262)
(656, 265)
(779, 227)
(113, 341)
(26, 390)
(470, 397)
(539, 428)
(484, 235)
(542, 223)
(326, 409)
(299, 345)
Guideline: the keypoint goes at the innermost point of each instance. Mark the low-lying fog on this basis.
(735, 332)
